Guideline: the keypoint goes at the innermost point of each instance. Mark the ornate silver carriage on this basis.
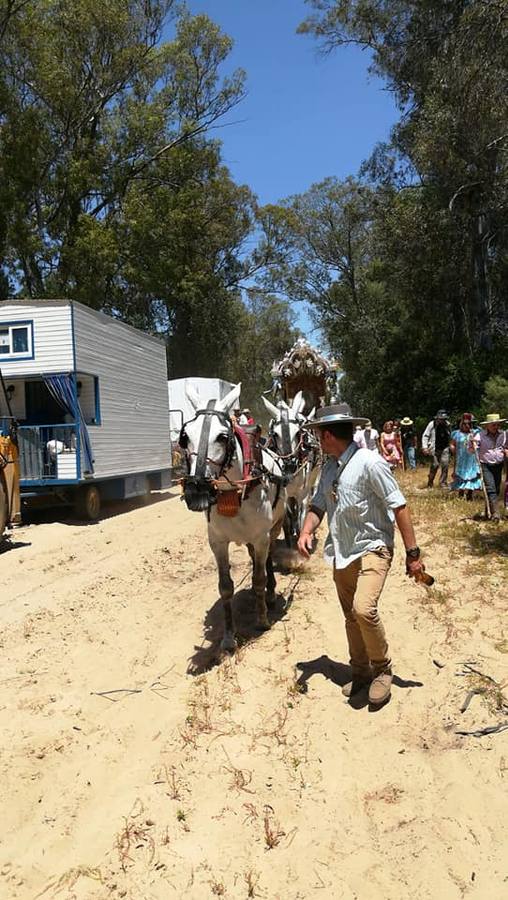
(304, 368)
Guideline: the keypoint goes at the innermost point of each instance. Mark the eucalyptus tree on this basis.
(438, 234)
(93, 99)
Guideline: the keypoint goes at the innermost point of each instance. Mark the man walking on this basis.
(492, 452)
(408, 439)
(362, 500)
(436, 444)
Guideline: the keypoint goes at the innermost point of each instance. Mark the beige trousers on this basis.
(359, 586)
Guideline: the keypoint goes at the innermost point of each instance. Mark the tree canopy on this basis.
(430, 273)
(112, 188)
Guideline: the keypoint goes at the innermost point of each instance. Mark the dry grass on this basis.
(389, 794)
(272, 831)
(135, 835)
(251, 879)
(240, 778)
(67, 881)
(273, 728)
(217, 887)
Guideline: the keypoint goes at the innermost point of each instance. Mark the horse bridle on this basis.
(201, 453)
(199, 489)
(288, 457)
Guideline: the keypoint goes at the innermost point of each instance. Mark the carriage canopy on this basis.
(304, 368)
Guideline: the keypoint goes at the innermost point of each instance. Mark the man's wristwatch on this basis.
(413, 552)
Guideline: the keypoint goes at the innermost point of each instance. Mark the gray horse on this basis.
(250, 514)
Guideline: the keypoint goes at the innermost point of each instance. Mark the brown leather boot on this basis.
(356, 685)
(380, 688)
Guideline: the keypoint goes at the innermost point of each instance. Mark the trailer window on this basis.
(16, 340)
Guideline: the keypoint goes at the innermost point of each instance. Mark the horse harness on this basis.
(201, 492)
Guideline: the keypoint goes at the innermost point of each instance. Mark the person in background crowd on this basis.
(466, 470)
(436, 444)
(246, 417)
(390, 446)
(409, 441)
(235, 416)
(359, 438)
(396, 431)
(371, 437)
(492, 452)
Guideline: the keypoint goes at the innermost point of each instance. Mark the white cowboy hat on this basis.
(406, 421)
(332, 415)
(492, 418)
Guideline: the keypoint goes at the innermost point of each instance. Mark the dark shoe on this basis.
(380, 689)
(355, 686)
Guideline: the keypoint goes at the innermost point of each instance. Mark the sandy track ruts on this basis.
(177, 787)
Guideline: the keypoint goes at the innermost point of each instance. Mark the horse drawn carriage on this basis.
(305, 369)
(303, 381)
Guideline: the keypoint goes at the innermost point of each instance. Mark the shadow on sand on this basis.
(7, 543)
(65, 515)
(246, 628)
(340, 674)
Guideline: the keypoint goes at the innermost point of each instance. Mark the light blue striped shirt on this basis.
(359, 508)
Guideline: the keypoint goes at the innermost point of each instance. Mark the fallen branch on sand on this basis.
(491, 729)
(469, 697)
(115, 691)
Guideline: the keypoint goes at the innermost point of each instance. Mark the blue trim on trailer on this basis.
(98, 419)
(16, 357)
(46, 482)
(55, 482)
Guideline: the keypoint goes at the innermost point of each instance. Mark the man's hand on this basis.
(414, 567)
(305, 544)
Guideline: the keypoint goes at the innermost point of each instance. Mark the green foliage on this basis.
(93, 102)
(495, 398)
(111, 190)
(267, 331)
(426, 319)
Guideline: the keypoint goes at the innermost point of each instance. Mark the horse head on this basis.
(209, 445)
(285, 429)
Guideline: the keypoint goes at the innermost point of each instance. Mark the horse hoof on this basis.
(271, 602)
(228, 644)
(264, 625)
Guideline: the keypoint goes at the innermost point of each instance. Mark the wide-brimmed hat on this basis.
(441, 414)
(492, 418)
(406, 421)
(333, 415)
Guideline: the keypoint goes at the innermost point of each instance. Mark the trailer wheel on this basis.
(88, 502)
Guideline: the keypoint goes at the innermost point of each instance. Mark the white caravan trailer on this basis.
(90, 396)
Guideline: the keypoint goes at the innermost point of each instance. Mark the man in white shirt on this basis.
(370, 436)
(362, 501)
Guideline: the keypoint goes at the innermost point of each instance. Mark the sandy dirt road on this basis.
(133, 767)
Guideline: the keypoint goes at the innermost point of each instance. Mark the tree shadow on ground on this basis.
(209, 653)
(340, 674)
(492, 540)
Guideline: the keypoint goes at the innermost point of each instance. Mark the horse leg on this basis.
(259, 583)
(226, 591)
(271, 584)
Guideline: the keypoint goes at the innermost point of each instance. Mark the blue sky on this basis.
(305, 116)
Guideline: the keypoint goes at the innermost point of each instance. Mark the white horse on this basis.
(299, 455)
(243, 507)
